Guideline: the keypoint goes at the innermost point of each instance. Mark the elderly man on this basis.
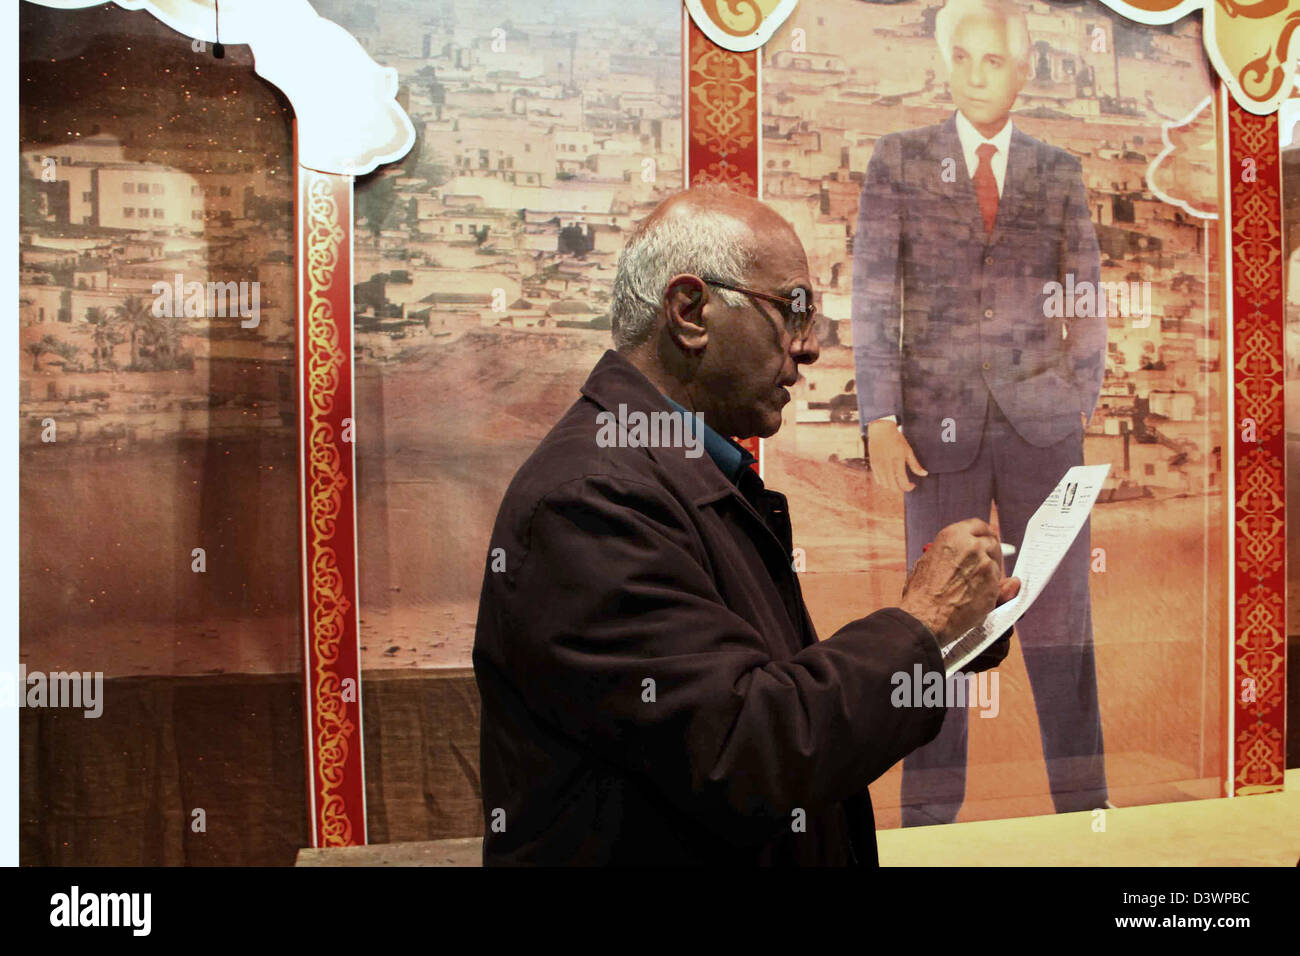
(652, 688)
(969, 382)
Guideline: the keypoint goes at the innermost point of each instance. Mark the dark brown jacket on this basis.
(624, 566)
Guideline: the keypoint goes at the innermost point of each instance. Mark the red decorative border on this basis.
(724, 131)
(1258, 685)
(722, 113)
(332, 661)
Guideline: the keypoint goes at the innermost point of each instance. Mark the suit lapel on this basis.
(961, 191)
(1015, 187)
(964, 217)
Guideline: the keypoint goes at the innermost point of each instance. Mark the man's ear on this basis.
(684, 302)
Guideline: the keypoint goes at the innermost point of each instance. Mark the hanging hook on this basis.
(218, 48)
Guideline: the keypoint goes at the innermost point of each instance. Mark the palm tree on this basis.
(36, 350)
(164, 336)
(171, 330)
(136, 317)
(63, 350)
(101, 328)
(66, 351)
(115, 338)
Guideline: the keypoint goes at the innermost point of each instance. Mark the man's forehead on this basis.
(987, 22)
(781, 257)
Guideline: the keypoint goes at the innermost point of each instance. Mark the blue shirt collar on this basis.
(731, 458)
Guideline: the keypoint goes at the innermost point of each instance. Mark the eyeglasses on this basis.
(798, 315)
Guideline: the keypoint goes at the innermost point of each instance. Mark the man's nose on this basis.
(807, 350)
(976, 75)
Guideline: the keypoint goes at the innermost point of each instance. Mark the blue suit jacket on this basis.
(945, 316)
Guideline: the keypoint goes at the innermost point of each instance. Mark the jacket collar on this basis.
(729, 456)
(615, 381)
(945, 147)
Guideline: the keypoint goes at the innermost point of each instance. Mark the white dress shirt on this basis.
(971, 139)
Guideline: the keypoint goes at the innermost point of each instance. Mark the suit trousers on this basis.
(1055, 635)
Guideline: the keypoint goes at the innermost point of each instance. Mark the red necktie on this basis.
(986, 186)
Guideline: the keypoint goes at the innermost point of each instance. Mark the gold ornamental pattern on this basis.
(1257, 233)
(723, 173)
(1250, 43)
(724, 98)
(1258, 679)
(326, 485)
(1261, 617)
(1263, 77)
(1260, 512)
(1259, 363)
(747, 11)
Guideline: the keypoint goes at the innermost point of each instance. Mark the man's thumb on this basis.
(914, 464)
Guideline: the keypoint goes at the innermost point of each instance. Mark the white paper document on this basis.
(1048, 537)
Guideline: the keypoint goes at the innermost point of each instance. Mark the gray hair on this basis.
(1009, 12)
(709, 243)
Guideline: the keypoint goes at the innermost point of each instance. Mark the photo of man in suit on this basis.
(970, 393)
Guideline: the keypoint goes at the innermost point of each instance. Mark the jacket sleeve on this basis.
(876, 308)
(1085, 346)
(622, 642)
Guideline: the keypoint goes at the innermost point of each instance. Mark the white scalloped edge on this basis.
(344, 102)
(740, 44)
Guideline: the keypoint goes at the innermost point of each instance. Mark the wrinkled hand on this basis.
(958, 580)
(891, 456)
